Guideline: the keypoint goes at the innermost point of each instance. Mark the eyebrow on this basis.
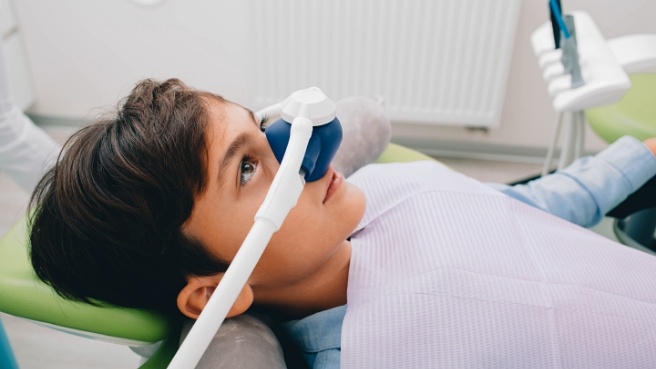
(233, 149)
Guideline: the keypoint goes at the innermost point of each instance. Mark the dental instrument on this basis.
(570, 57)
(605, 81)
(554, 23)
(305, 141)
(555, 9)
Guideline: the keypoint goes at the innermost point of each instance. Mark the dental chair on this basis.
(23, 295)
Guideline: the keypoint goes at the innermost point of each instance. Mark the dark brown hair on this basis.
(106, 220)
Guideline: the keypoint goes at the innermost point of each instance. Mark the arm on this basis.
(586, 190)
(26, 151)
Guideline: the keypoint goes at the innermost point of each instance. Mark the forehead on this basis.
(230, 126)
(223, 113)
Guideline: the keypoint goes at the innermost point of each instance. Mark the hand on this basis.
(651, 144)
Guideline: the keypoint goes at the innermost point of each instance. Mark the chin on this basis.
(358, 202)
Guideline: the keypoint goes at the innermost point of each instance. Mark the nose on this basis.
(321, 149)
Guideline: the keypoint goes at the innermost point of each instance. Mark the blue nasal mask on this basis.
(326, 136)
(304, 140)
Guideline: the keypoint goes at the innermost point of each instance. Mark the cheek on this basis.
(238, 221)
(224, 226)
(300, 226)
(300, 236)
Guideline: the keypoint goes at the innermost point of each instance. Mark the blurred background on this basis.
(459, 76)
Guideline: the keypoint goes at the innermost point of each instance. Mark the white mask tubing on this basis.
(270, 112)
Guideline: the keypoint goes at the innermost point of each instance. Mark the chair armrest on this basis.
(400, 154)
(635, 53)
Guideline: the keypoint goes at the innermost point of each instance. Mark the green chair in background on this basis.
(634, 115)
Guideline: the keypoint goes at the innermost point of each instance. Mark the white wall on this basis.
(86, 54)
(15, 63)
(528, 118)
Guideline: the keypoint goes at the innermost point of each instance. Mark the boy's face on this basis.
(240, 169)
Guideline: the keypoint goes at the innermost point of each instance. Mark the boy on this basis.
(147, 209)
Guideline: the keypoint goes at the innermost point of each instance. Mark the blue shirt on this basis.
(581, 193)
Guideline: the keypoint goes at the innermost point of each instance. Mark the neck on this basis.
(323, 289)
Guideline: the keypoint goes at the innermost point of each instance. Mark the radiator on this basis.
(433, 61)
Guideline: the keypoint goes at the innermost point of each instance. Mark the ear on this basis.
(194, 296)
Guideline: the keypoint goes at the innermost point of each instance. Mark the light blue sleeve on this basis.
(591, 186)
(319, 337)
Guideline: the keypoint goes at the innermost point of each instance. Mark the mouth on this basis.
(336, 180)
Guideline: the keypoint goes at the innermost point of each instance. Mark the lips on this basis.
(336, 180)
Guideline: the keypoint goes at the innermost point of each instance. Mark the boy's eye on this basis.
(247, 168)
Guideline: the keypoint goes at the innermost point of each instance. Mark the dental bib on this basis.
(448, 273)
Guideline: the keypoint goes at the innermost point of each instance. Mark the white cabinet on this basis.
(17, 70)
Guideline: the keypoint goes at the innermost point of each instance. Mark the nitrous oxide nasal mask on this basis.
(326, 136)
